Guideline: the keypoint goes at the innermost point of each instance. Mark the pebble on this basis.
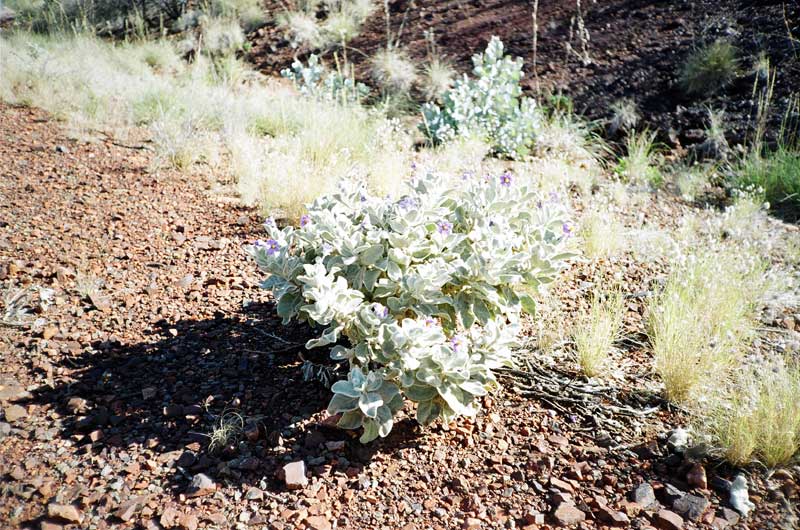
(66, 512)
(295, 475)
(200, 486)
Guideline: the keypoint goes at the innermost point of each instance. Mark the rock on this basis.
(200, 486)
(49, 332)
(5, 429)
(295, 475)
(739, 498)
(127, 510)
(14, 413)
(187, 521)
(678, 440)
(667, 520)
(254, 494)
(669, 494)
(61, 149)
(336, 445)
(76, 404)
(11, 390)
(731, 517)
(562, 485)
(173, 410)
(66, 512)
(148, 393)
(611, 516)
(567, 514)
(169, 517)
(696, 477)
(643, 495)
(691, 506)
(318, 522)
(251, 432)
(471, 523)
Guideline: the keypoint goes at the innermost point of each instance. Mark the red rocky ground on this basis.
(108, 399)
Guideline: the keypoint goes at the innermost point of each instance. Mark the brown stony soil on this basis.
(108, 398)
(635, 51)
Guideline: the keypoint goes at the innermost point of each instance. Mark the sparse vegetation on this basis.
(639, 165)
(596, 335)
(757, 417)
(702, 321)
(625, 116)
(602, 233)
(393, 70)
(710, 68)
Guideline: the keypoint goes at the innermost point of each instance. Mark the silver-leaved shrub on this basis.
(490, 105)
(416, 294)
(315, 81)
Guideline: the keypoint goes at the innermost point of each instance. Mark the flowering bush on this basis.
(315, 81)
(490, 105)
(417, 294)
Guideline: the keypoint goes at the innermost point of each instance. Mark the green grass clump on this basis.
(777, 173)
(710, 68)
(639, 165)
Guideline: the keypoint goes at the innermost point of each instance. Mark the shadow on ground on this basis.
(168, 395)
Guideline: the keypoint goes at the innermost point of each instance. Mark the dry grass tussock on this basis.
(215, 100)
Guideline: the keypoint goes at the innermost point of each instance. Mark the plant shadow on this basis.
(162, 400)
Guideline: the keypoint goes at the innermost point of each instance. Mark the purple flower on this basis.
(444, 227)
(380, 311)
(407, 203)
(467, 175)
(457, 343)
(327, 248)
(553, 196)
(505, 179)
(304, 219)
(566, 229)
(429, 322)
(272, 246)
(269, 223)
(413, 166)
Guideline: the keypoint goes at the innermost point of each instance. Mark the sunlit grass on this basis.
(701, 323)
(757, 417)
(595, 335)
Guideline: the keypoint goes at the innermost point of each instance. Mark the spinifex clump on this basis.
(417, 295)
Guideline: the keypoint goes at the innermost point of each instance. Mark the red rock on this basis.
(66, 512)
(696, 477)
(567, 514)
(611, 516)
(128, 509)
(667, 520)
(187, 521)
(472, 524)
(295, 475)
(562, 485)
